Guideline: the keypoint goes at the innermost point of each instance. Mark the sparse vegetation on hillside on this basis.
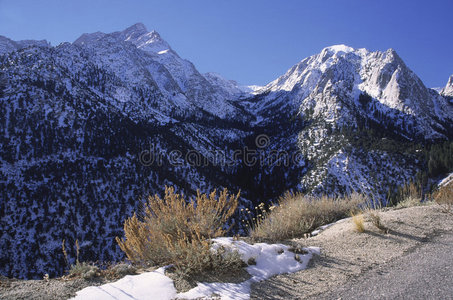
(175, 231)
(298, 214)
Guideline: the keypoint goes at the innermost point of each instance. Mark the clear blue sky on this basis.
(253, 41)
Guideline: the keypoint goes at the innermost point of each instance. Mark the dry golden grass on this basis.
(175, 231)
(297, 215)
(359, 222)
(444, 197)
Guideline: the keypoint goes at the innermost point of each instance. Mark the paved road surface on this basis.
(424, 273)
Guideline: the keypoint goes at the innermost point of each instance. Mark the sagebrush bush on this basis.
(175, 231)
(297, 214)
(84, 270)
(120, 270)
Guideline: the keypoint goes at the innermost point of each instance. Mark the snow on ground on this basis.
(446, 180)
(271, 259)
(150, 285)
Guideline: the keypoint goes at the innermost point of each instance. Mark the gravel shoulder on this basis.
(347, 256)
(42, 289)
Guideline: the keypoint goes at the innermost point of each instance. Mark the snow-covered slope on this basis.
(445, 181)
(230, 87)
(90, 128)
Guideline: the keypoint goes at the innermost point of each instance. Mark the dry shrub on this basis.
(175, 231)
(377, 222)
(297, 214)
(359, 222)
(444, 197)
(83, 270)
(118, 270)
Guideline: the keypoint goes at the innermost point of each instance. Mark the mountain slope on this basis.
(89, 129)
(365, 111)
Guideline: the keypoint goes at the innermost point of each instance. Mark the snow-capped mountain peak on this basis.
(332, 81)
(339, 48)
(151, 42)
(306, 73)
(88, 38)
(135, 30)
(447, 91)
(138, 56)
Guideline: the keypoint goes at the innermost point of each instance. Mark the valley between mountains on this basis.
(90, 128)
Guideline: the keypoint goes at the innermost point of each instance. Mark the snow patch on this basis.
(271, 259)
(163, 51)
(446, 180)
(144, 286)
